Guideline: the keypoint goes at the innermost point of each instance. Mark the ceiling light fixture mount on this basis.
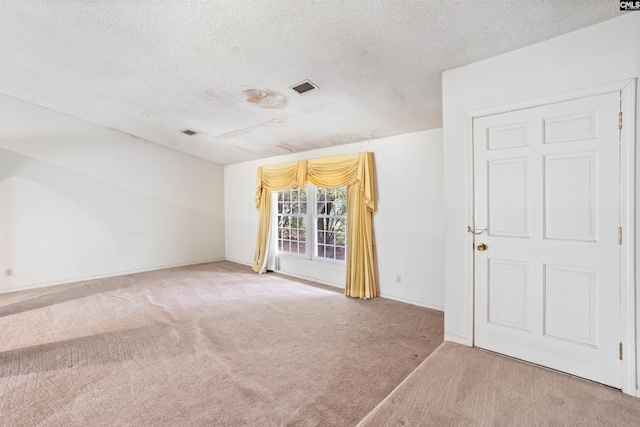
(304, 87)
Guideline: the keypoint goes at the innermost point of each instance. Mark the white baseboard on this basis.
(413, 302)
(101, 276)
(458, 339)
(239, 262)
(341, 286)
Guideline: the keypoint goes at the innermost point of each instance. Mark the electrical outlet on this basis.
(398, 279)
(8, 272)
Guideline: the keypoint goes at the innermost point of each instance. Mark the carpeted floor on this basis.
(205, 345)
(462, 386)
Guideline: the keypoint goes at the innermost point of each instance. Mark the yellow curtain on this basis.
(356, 172)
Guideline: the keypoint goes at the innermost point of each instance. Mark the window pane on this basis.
(294, 248)
(303, 207)
(329, 252)
(321, 194)
(302, 248)
(320, 237)
(295, 208)
(340, 254)
(330, 223)
(332, 208)
(338, 208)
(321, 251)
(327, 238)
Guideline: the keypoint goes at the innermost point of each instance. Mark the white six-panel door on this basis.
(546, 188)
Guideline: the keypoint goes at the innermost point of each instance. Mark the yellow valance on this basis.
(352, 170)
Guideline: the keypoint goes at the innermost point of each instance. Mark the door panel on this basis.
(509, 293)
(571, 128)
(546, 187)
(571, 304)
(510, 136)
(508, 202)
(571, 205)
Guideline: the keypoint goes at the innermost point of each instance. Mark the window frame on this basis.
(311, 228)
(314, 221)
(276, 223)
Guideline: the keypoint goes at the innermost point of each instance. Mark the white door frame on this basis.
(627, 88)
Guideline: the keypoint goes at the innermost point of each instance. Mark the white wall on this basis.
(600, 54)
(408, 226)
(78, 200)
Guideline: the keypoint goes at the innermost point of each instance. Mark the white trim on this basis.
(471, 221)
(284, 254)
(458, 339)
(552, 99)
(102, 276)
(627, 89)
(248, 264)
(627, 222)
(332, 263)
(386, 296)
(413, 302)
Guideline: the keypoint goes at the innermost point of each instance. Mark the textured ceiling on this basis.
(225, 68)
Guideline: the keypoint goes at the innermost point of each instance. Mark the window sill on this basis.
(306, 257)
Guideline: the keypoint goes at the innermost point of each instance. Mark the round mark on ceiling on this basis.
(265, 98)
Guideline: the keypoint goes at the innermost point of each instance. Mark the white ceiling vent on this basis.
(304, 87)
(189, 132)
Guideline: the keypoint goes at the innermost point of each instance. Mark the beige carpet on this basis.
(462, 386)
(205, 345)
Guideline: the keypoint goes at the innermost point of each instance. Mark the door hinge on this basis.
(619, 235)
(620, 351)
(620, 120)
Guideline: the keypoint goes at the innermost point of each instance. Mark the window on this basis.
(312, 222)
(330, 219)
(292, 221)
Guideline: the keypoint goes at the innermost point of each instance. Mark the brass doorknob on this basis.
(482, 247)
